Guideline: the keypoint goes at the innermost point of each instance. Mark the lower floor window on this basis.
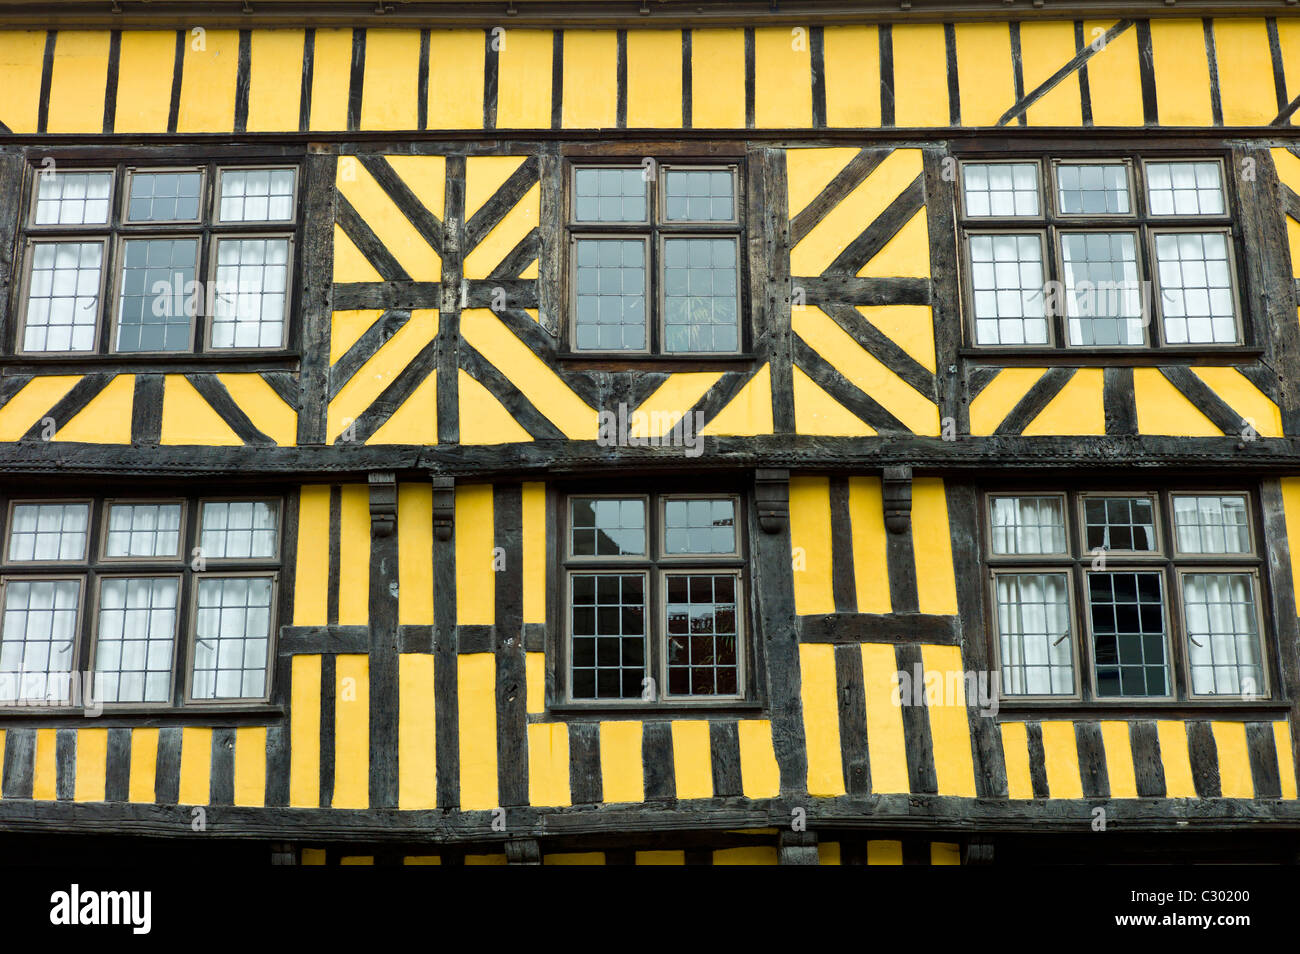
(1153, 595)
(180, 609)
(655, 587)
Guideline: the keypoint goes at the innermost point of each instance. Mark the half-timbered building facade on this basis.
(649, 432)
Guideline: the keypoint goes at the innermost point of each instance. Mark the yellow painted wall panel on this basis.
(654, 79)
(144, 761)
(906, 254)
(759, 775)
(370, 380)
(421, 860)
(1182, 73)
(22, 53)
(1245, 64)
(311, 578)
(250, 766)
(1285, 758)
(999, 397)
(456, 62)
(535, 676)
(548, 763)
(196, 766)
(842, 224)
(1061, 759)
(782, 77)
(415, 554)
(28, 406)
(1162, 408)
(852, 67)
(661, 857)
(391, 75)
(1046, 46)
(1257, 411)
(984, 72)
(821, 722)
(264, 407)
(146, 61)
(354, 555)
(45, 769)
(513, 228)
(911, 327)
(717, 79)
(817, 413)
(810, 545)
(945, 853)
(275, 80)
(417, 778)
(885, 739)
(524, 80)
(1288, 35)
(867, 519)
(949, 725)
(352, 731)
(78, 82)
(620, 762)
(476, 703)
(541, 385)
(484, 419)
(914, 410)
(1077, 409)
(920, 83)
(349, 264)
(426, 176)
(187, 417)
(809, 171)
(304, 732)
(884, 852)
(828, 853)
(692, 758)
(92, 766)
(575, 858)
(475, 558)
(1177, 762)
(484, 175)
(659, 413)
(208, 82)
(1119, 759)
(590, 79)
(936, 581)
(389, 223)
(1114, 80)
(1234, 759)
(416, 420)
(331, 79)
(1015, 750)
(749, 412)
(533, 522)
(107, 418)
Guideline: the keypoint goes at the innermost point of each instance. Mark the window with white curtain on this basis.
(160, 602)
(1117, 596)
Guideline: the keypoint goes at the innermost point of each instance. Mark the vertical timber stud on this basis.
(317, 292)
(383, 640)
(769, 269)
(940, 185)
(448, 353)
(445, 648)
(900, 549)
(11, 190)
(512, 717)
(774, 596)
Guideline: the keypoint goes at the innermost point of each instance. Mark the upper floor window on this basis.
(655, 597)
(655, 259)
(134, 259)
(1156, 595)
(1121, 252)
(159, 601)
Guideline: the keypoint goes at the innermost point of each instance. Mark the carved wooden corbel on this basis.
(772, 498)
(897, 485)
(383, 503)
(444, 506)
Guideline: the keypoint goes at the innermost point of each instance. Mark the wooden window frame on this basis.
(1051, 222)
(1167, 561)
(653, 567)
(94, 567)
(124, 573)
(207, 230)
(654, 230)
